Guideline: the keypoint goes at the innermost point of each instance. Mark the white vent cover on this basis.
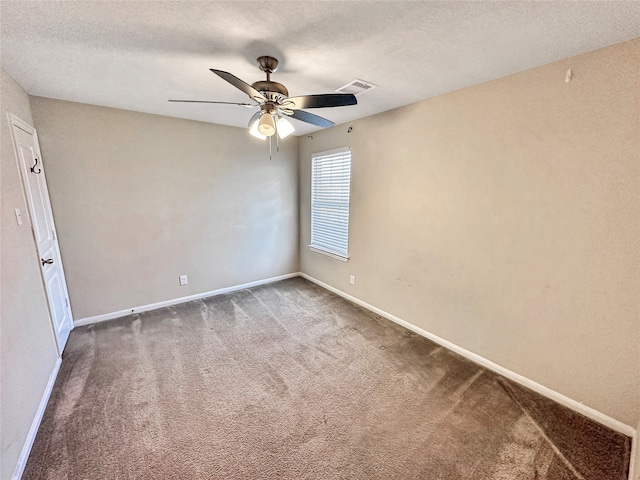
(356, 87)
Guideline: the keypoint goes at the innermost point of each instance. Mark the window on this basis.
(330, 185)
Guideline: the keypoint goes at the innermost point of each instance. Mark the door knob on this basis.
(48, 261)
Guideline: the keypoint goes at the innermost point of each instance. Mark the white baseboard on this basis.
(634, 466)
(536, 387)
(175, 301)
(35, 425)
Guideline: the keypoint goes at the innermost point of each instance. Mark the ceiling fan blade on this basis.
(236, 82)
(224, 103)
(323, 100)
(254, 118)
(311, 118)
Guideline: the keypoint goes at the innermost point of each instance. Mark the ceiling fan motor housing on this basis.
(271, 90)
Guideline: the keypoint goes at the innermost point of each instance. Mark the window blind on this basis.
(330, 189)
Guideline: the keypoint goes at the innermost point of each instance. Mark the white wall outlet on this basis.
(183, 280)
(352, 279)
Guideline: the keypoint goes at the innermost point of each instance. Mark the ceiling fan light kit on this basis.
(285, 128)
(253, 130)
(266, 125)
(275, 104)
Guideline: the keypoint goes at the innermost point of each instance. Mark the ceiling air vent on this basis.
(356, 87)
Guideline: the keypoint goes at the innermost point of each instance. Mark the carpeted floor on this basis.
(289, 381)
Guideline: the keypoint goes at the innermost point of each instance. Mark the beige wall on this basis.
(504, 218)
(140, 199)
(28, 349)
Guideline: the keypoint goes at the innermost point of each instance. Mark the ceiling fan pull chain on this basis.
(270, 147)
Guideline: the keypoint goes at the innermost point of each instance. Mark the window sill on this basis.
(328, 254)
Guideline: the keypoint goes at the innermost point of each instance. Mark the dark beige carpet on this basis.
(288, 381)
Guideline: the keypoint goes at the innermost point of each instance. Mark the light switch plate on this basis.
(18, 217)
(183, 280)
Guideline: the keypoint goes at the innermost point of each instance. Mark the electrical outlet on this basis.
(352, 279)
(183, 280)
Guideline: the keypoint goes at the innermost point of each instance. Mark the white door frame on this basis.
(66, 324)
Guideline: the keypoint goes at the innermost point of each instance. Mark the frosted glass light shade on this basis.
(284, 128)
(254, 130)
(266, 125)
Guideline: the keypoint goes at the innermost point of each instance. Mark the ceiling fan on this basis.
(275, 104)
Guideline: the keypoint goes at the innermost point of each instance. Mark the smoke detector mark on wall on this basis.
(356, 87)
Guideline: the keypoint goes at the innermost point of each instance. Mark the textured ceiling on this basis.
(137, 55)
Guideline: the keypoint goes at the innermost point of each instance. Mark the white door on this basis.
(25, 141)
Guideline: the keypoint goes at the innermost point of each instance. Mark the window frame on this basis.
(318, 247)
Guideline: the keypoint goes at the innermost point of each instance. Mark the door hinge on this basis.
(66, 300)
(53, 233)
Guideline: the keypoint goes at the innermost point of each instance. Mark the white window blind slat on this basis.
(330, 192)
